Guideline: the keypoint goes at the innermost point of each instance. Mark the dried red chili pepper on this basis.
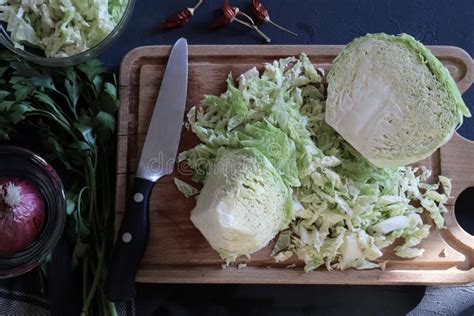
(230, 14)
(229, 11)
(176, 20)
(180, 18)
(262, 14)
(228, 17)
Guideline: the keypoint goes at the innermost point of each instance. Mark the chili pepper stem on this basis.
(191, 10)
(253, 26)
(268, 20)
(247, 16)
(247, 24)
(267, 39)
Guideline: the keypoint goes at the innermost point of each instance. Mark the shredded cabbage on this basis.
(185, 188)
(60, 27)
(346, 210)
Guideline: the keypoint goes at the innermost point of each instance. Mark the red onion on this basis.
(22, 212)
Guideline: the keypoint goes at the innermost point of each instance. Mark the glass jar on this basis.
(22, 163)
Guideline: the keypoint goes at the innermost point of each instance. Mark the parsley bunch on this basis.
(73, 111)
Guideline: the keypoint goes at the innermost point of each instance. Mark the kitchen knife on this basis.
(157, 159)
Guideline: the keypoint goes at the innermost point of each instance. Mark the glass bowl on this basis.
(22, 163)
(92, 52)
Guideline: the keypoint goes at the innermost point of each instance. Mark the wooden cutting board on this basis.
(178, 253)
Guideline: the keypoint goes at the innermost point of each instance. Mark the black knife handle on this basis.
(130, 244)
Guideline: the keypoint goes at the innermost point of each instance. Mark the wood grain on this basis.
(178, 253)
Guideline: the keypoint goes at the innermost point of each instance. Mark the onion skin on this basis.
(20, 224)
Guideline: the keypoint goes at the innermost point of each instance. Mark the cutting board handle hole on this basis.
(463, 210)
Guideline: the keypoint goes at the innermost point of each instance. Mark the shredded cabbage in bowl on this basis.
(345, 209)
(61, 28)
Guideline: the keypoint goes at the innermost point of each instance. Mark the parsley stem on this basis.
(95, 282)
(73, 111)
(85, 281)
(112, 309)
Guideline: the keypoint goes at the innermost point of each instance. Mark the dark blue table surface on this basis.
(317, 22)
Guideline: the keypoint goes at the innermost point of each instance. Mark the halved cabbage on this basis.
(243, 204)
(392, 99)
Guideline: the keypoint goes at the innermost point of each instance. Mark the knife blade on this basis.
(157, 159)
